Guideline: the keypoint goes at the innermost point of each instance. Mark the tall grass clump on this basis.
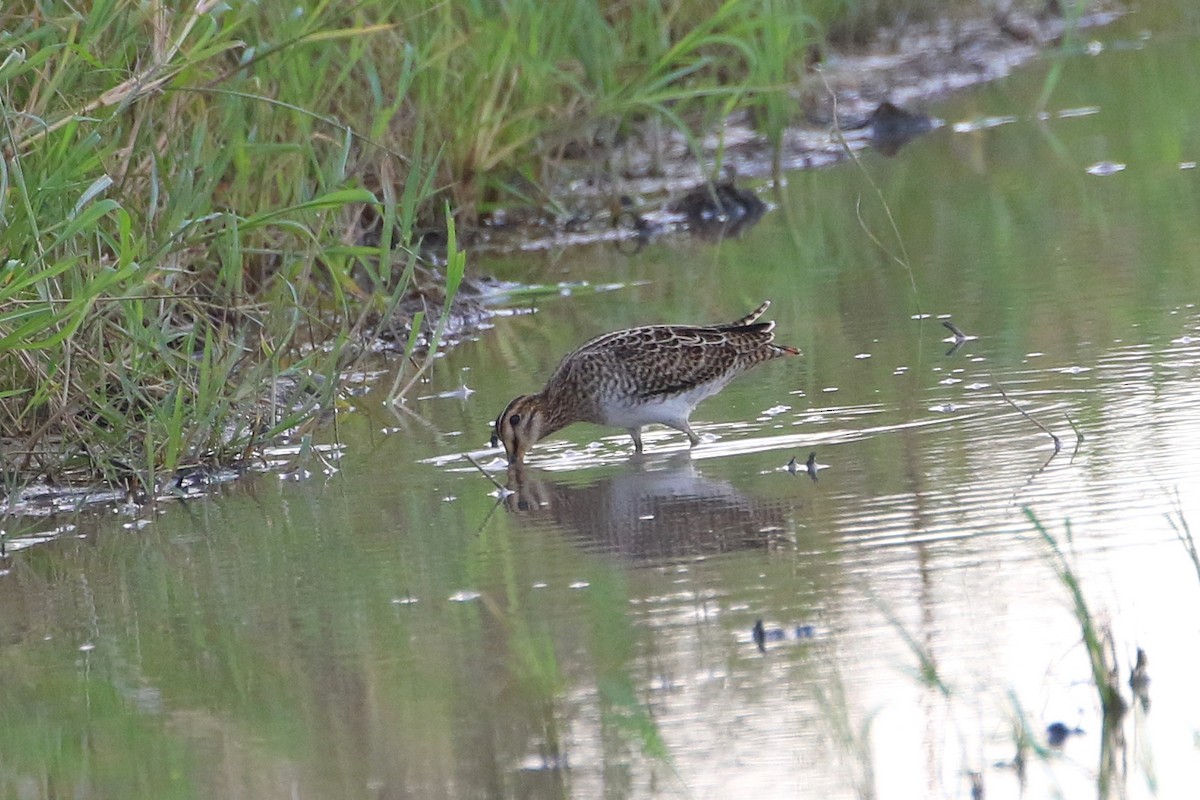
(178, 195)
(501, 91)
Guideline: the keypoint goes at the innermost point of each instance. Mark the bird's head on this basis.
(519, 427)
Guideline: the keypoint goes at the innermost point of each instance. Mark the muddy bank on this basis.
(633, 188)
(653, 184)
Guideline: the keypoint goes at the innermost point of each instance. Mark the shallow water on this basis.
(390, 628)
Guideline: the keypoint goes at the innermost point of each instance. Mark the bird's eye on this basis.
(514, 420)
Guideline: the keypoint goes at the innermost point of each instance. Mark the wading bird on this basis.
(635, 377)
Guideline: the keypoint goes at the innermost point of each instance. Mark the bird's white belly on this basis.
(672, 411)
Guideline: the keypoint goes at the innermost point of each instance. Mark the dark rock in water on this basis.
(720, 210)
(893, 127)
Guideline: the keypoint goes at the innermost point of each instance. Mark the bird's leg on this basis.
(691, 434)
(636, 433)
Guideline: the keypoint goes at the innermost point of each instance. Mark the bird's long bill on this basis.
(496, 441)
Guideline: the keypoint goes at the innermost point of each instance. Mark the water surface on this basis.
(392, 628)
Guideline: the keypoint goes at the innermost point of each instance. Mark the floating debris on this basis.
(544, 762)
(1139, 680)
(812, 467)
(461, 393)
(1103, 168)
(1083, 111)
(1058, 732)
(958, 339)
(761, 634)
(983, 123)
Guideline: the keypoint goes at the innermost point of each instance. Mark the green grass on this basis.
(174, 215)
(184, 187)
(502, 91)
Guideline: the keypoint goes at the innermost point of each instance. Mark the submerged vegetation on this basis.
(197, 199)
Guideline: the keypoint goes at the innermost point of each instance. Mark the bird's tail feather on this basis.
(751, 317)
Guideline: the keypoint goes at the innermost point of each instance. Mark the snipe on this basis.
(632, 378)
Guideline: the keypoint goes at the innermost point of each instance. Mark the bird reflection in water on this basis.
(652, 510)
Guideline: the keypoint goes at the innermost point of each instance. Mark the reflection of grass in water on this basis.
(1027, 742)
(1179, 524)
(625, 717)
(1101, 651)
(1095, 639)
(927, 671)
(1054, 75)
(626, 721)
(852, 743)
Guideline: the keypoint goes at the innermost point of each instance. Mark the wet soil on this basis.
(865, 96)
(652, 184)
